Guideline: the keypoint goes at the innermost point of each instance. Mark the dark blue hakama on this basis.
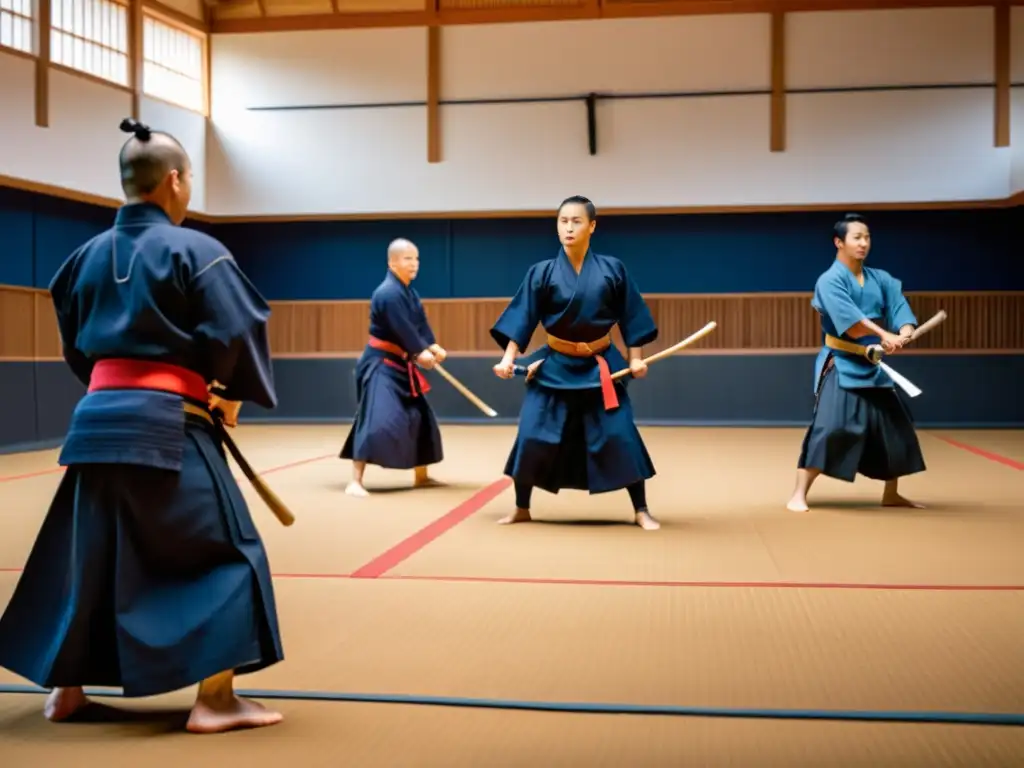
(866, 430)
(145, 579)
(394, 427)
(148, 572)
(860, 423)
(567, 437)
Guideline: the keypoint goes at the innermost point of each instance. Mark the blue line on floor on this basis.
(963, 718)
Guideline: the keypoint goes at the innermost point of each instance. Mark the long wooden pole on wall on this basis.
(778, 103)
(43, 67)
(434, 94)
(1002, 67)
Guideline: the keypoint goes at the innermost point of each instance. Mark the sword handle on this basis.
(875, 353)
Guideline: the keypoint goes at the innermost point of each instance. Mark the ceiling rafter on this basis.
(246, 16)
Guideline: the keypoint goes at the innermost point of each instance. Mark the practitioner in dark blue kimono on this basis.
(395, 426)
(148, 573)
(576, 426)
(860, 424)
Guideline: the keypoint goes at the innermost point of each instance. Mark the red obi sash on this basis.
(122, 373)
(418, 384)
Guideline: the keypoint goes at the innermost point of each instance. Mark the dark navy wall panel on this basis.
(36, 401)
(334, 260)
(17, 403)
(929, 250)
(712, 390)
(700, 253)
(781, 252)
(490, 256)
(60, 227)
(16, 233)
(57, 394)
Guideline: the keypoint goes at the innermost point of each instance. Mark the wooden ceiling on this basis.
(241, 16)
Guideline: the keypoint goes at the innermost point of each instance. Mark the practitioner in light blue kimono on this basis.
(860, 424)
(576, 426)
(148, 573)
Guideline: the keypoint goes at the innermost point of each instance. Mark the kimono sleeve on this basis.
(231, 332)
(520, 318)
(832, 297)
(635, 320)
(423, 324)
(65, 307)
(897, 309)
(405, 319)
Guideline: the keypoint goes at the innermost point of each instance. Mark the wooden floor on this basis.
(736, 604)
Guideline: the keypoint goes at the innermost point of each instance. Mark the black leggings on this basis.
(637, 494)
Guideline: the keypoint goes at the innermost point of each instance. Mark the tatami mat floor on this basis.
(734, 603)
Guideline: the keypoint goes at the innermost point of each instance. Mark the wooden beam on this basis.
(1002, 67)
(777, 138)
(434, 94)
(42, 84)
(135, 55)
(584, 9)
(176, 17)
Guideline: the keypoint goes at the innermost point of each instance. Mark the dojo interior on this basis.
(719, 141)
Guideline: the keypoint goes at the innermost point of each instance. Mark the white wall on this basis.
(899, 146)
(78, 150)
(1017, 103)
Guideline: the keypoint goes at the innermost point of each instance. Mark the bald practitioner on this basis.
(148, 573)
(395, 427)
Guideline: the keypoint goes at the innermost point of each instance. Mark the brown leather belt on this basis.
(872, 353)
(591, 349)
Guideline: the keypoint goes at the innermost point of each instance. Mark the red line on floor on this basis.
(54, 470)
(311, 576)
(710, 584)
(413, 544)
(299, 463)
(1012, 463)
(27, 475)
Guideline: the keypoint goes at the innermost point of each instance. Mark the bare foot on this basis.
(217, 717)
(895, 500)
(62, 703)
(356, 489)
(645, 521)
(426, 482)
(519, 516)
(797, 504)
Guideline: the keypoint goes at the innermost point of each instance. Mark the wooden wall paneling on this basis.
(16, 327)
(46, 334)
(752, 323)
(746, 322)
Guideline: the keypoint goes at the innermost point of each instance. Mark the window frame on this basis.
(94, 44)
(154, 12)
(202, 38)
(33, 23)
